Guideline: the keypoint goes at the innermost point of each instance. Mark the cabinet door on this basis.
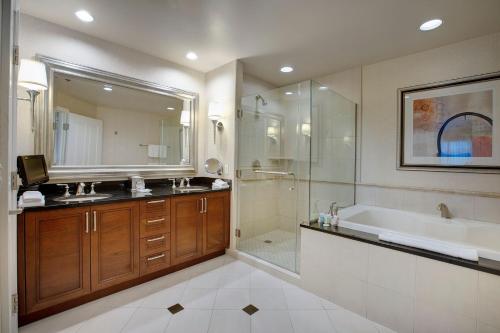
(216, 222)
(57, 256)
(186, 228)
(115, 244)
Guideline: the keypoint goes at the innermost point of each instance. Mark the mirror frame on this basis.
(44, 131)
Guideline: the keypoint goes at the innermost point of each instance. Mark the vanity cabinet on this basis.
(57, 256)
(216, 222)
(187, 228)
(115, 244)
(69, 256)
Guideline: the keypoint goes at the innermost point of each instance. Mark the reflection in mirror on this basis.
(96, 123)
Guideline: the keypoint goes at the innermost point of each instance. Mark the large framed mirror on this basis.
(96, 124)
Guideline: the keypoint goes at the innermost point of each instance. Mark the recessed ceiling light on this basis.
(431, 24)
(84, 16)
(288, 93)
(286, 69)
(323, 88)
(191, 55)
(170, 108)
(108, 87)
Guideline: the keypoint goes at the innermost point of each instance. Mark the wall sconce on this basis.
(32, 76)
(215, 113)
(306, 129)
(185, 118)
(272, 133)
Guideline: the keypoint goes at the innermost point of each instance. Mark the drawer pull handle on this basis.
(155, 221)
(155, 202)
(87, 222)
(155, 239)
(156, 257)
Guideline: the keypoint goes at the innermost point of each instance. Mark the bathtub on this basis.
(442, 233)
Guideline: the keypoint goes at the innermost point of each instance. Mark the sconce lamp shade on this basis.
(32, 75)
(306, 129)
(185, 118)
(215, 111)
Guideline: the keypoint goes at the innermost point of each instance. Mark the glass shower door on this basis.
(273, 173)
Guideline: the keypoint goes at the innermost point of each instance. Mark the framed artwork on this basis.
(451, 126)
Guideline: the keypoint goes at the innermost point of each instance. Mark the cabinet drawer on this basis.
(154, 225)
(155, 207)
(155, 262)
(154, 244)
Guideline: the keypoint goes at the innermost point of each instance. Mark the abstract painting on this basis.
(450, 125)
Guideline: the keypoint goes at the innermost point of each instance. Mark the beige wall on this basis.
(379, 123)
(75, 105)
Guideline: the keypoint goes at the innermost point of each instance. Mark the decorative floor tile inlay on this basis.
(250, 309)
(175, 308)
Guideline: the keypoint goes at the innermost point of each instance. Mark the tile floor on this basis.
(281, 251)
(212, 295)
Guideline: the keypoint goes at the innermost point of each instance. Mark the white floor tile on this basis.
(229, 321)
(301, 299)
(189, 321)
(268, 298)
(164, 298)
(206, 280)
(232, 298)
(148, 321)
(218, 309)
(275, 321)
(310, 321)
(346, 321)
(198, 298)
(111, 321)
(260, 279)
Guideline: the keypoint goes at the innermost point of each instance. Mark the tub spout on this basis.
(445, 212)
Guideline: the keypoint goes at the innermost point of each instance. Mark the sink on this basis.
(192, 189)
(83, 198)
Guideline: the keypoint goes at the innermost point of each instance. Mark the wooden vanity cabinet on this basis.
(70, 256)
(200, 225)
(57, 256)
(216, 222)
(115, 244)
(187, 228)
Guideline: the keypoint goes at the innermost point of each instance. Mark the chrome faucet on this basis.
(181, 185)
(80, 190)
(445, 212)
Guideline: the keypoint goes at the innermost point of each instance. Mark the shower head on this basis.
(263, 101)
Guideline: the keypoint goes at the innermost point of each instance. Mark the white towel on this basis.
(32, 196)
(433, 245)
(219, 184)
(157, 151)
(22, 204)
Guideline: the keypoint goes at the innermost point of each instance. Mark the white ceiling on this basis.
(315, 36)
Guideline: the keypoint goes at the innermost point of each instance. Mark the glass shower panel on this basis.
(273, 169)
(333, 154)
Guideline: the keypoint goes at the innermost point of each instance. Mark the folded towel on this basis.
(219, 184)
(32, 196)
(454, 250)
(22, 204)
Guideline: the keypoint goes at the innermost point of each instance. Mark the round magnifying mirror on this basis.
(213, 166)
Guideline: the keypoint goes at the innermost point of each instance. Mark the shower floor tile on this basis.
(278, 247)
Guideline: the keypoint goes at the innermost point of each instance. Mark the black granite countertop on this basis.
(119, 192)
(484, 265)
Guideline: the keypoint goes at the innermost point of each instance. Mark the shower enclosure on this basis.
(296, 156)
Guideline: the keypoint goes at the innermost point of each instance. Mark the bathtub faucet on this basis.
(445, 212)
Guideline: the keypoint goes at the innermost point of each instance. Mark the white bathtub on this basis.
(468, 234)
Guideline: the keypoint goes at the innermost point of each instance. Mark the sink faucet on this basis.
(445, 212)
(80, 189)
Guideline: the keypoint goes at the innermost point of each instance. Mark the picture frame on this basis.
(451, 126)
